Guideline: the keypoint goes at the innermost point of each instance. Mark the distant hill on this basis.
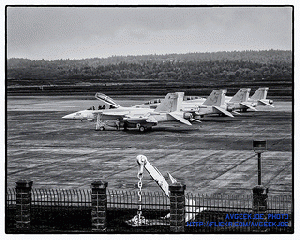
(192, 70)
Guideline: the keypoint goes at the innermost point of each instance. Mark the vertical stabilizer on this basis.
(241, 96)
(171, 103)
(260, 94)
(216, 98)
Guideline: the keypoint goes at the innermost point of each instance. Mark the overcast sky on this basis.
(76, 33)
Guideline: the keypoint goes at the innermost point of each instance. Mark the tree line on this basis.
(231, 66)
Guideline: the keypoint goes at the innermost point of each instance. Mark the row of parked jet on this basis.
(174, 107)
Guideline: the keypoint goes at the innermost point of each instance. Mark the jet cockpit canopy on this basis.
(102, 97)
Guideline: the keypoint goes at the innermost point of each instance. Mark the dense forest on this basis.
(190, 70)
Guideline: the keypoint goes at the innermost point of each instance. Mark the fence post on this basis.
(23, 204)
(99, 206)
(177, 205)
(260, 195)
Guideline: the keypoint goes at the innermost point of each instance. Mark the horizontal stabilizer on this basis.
(178, 116)
(221, 110)
(248, 106)
(235, 112)
(264, 102)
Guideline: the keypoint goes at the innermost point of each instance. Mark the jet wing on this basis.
(117, 113)
(248, 106)
(140, 120)
(178, 116)
(221, 110)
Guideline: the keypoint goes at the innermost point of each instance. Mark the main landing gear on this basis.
(143, 128)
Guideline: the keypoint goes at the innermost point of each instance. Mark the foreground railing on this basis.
(280, 204)
(60, 197)
(235, 213)
(99, 209)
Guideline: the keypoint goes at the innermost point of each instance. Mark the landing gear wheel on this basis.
(102, 128)
(142, 129)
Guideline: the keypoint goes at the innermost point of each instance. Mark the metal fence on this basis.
(123, 207)
(10, 198)
(208, 213)
(280, 204)
(61, 209)
(61, 198)
(218, 213)
(71, 210)
(280, 209)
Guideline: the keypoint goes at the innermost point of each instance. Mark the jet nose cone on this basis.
(69, 116)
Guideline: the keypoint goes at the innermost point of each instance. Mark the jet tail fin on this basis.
(171, 103)
(260, 94)
(216, 98)
(241, 96)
